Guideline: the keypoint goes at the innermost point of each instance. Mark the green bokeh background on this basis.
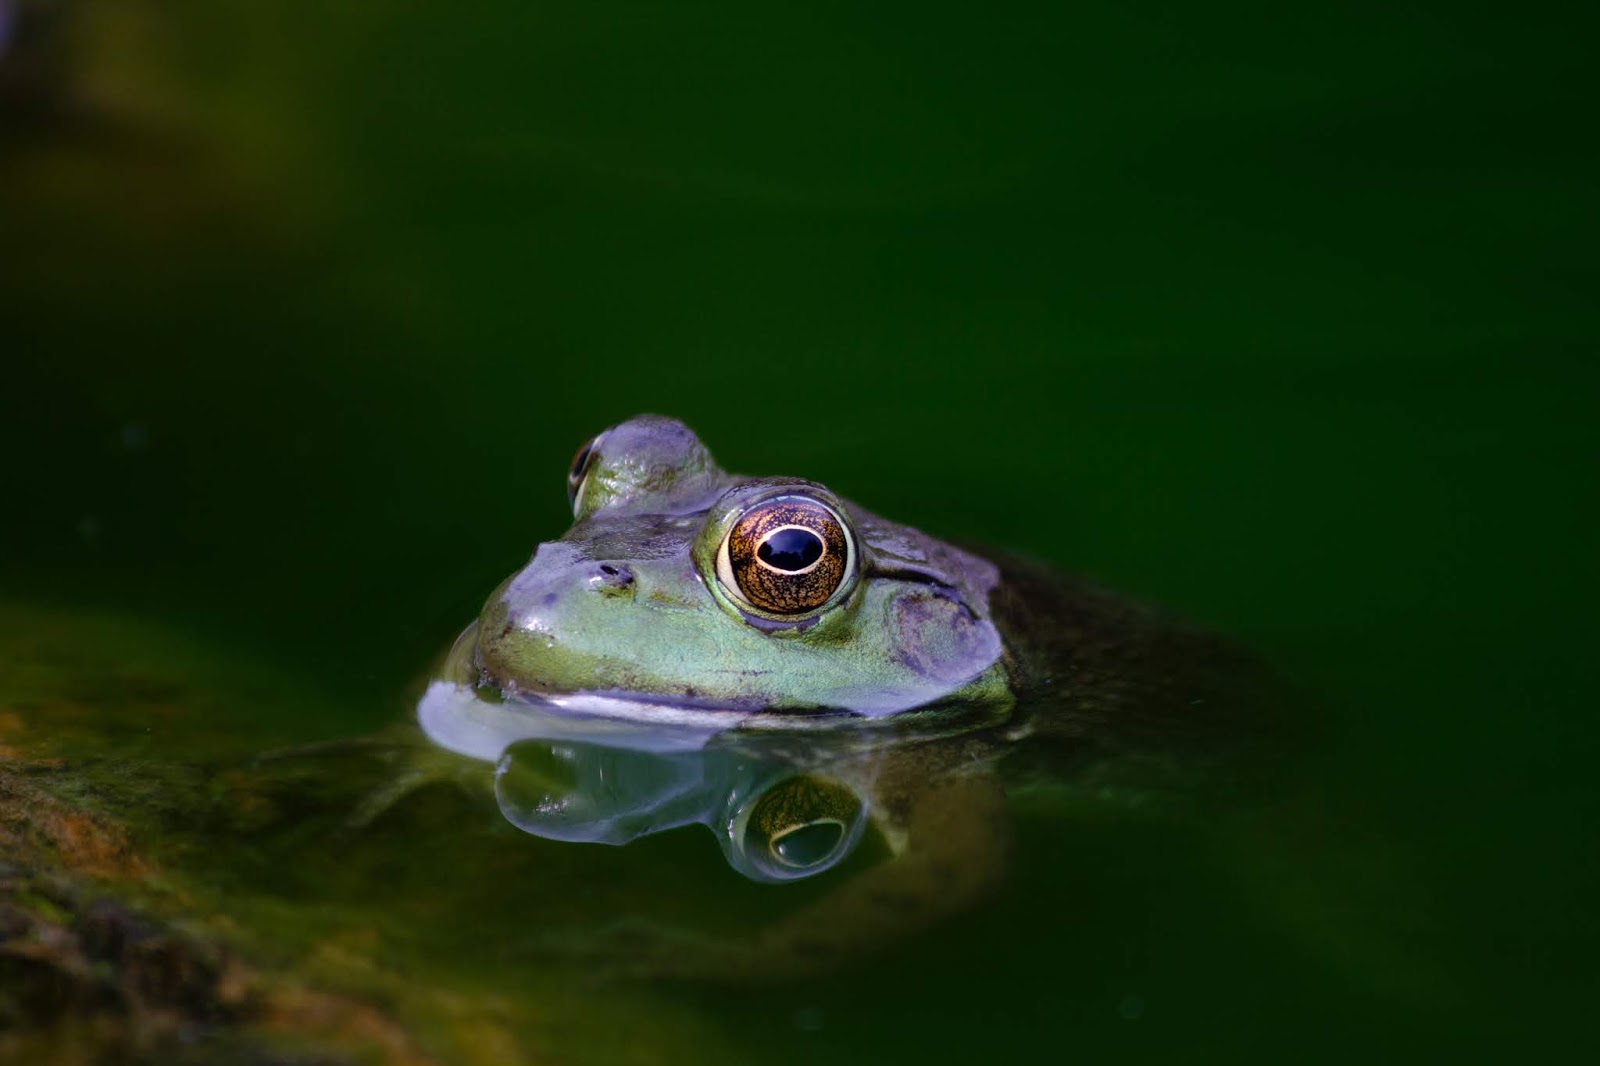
(1283, 316)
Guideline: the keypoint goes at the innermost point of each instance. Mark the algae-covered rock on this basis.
(175, 886)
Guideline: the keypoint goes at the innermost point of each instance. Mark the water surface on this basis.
(1283, 320)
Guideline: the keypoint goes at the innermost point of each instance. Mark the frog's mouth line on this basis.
(655, 709)
(651, 706)
(482, 723)
(457, 717)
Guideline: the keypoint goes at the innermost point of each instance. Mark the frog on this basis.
(772, 660)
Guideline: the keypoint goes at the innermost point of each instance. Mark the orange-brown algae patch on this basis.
(95, 848)
(81, 843)
(292, 1010)
(473, 1030)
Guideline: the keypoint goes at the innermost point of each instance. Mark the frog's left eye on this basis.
(786, 556)
(578, 473)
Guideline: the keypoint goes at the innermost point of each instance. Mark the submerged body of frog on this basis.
(768, 659)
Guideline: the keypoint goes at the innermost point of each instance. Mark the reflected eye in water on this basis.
(786, 556)
(798, 827)
(773, 824)
(578, 474)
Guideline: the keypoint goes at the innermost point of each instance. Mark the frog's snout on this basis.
(551, 592)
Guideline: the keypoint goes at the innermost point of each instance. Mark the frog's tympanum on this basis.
(766, 658)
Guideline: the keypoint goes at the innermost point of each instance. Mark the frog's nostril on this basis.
(613, 576)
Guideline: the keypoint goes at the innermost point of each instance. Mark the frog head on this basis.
(682, 586)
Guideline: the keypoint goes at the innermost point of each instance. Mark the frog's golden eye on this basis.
(578, 473)
(786, 556)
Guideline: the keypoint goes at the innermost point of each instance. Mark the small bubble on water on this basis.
(1131, 1009)
(808, 1019)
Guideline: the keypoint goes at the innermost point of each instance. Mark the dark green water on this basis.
(1283, 318)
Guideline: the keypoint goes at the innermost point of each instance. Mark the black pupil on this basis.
(790, 549)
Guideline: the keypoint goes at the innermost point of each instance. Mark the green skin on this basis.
(961, 678)
(629, 601)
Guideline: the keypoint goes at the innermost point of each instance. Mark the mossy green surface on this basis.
(133, 789)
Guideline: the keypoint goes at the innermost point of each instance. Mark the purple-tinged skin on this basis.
(630, 602)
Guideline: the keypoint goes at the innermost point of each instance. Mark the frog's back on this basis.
(1100, 677)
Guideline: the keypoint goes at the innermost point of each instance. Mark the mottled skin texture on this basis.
(986, 674)
(633, 600)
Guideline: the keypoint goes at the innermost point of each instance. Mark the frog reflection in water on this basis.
(773, 661)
